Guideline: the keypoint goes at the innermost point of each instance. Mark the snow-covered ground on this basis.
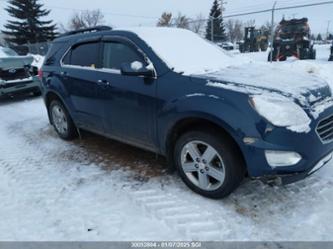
(98, 189)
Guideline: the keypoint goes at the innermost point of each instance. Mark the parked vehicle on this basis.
(293, 38)
(17, 75)
(171, 92)
(254, 41)
(227, 45)
(331, 56)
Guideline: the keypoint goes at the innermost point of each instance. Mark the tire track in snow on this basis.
(255, 211)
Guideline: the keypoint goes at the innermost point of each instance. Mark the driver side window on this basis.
(117, 53)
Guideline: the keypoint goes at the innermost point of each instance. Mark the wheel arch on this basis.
(49, 97)
(189, 123)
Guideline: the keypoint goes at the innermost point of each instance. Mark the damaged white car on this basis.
(17, 74)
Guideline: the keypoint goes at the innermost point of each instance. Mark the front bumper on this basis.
(31, 84)
(315, 154)
(288, 179)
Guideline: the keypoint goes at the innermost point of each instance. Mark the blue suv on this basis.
(216, 120)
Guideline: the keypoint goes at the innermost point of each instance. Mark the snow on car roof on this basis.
(184, 51)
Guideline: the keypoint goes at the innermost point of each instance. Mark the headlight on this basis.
(281, 112)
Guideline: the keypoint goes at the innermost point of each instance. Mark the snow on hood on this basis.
(185, 51)
(255, 78)
(272, 80)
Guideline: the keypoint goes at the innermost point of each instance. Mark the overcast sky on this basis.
(123, 13)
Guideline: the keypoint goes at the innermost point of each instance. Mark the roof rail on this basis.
(87, 30)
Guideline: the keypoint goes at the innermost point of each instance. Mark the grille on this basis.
(14, 74)
(325, 129)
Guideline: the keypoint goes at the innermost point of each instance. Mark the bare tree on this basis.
(250, 23)
(266, 29)
(198, 24)
(234, 30)
(182, 21)
(86, 19)
(165, 20)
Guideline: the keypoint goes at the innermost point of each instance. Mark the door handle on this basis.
(103, 83)
(64, 73)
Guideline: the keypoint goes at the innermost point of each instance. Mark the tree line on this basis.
(28, 23)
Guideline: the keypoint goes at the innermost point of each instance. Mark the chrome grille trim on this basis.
(325, 130)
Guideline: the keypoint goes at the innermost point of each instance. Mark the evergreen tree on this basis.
(27, 26)
(319, 37)
(215, 16)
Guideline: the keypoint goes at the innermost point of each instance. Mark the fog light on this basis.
(282, 158)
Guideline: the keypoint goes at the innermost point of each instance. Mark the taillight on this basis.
(40, 74)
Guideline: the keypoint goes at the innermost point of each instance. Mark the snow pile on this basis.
(185, 51)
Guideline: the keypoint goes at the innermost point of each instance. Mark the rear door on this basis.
(79, 69)
(129, 101)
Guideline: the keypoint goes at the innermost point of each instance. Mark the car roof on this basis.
(119, 31)
(87, 35)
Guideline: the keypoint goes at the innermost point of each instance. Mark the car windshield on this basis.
(6, 52)
(185, 51)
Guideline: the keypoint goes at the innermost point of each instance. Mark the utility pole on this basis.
(328, 29)
(272, 31)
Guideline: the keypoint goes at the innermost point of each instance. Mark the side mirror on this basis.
(136, 68)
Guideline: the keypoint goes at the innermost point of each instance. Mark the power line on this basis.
(279, 8)
(224, 16)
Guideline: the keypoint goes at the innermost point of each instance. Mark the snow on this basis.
(266, 76)
(96, 189)
(99, 190)
(282, 112)
(136, 65)
(38, 60)
(293, 79)
(2, 53)
(184, 51)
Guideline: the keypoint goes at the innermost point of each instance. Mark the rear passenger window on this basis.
(84, 55)
(116, 53)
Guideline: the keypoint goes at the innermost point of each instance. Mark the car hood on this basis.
(15, 62)
(255, 79)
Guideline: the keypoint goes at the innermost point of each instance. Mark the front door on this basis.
(129, 101)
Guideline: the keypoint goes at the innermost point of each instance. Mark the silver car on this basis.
(17, 74)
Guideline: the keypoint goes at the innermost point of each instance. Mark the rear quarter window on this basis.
(54, 53)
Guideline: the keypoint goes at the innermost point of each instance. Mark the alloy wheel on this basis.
(203, 165)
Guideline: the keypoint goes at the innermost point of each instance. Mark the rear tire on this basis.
(37, 93)
(209, 163)
(61, 121)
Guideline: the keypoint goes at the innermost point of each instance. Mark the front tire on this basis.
(61, 121)
(209, 164)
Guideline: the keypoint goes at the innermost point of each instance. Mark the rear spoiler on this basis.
(15, 62)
